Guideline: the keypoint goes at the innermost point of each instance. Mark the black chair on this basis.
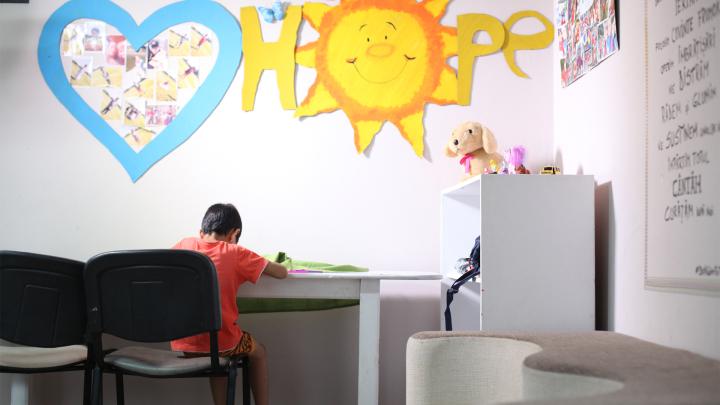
(156, 296)
(42, 311)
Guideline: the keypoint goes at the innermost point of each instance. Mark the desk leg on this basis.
(369, 342)
(19, 389)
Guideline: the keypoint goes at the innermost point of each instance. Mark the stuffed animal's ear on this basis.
(489, 142)
(449, 152)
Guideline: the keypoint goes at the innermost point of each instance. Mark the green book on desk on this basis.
(263, 305)
(292, 264)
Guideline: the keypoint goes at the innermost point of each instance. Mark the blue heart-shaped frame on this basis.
(193, 114)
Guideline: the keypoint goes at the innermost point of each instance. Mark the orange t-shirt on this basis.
(234, 265)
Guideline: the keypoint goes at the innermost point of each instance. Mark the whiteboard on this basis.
(683, 145)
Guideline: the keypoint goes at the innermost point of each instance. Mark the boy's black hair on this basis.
(221, 219)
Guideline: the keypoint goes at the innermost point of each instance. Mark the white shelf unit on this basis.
(538, 252)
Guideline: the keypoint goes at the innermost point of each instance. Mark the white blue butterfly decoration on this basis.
(276, 12)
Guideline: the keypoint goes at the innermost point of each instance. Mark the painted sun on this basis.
(378, 61)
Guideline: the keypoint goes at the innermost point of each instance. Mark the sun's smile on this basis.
(378, 77)
(378, 61)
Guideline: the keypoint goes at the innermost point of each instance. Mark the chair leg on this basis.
(96, 386)
(119, 389)
(246, 381)
(87, 384)
(232, 376)
(19, 389)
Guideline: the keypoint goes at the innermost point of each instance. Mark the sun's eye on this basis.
(385, 36)
(368, 39)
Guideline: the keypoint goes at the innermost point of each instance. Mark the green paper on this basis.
(291, 264)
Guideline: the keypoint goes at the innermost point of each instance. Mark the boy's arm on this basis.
(273, 269)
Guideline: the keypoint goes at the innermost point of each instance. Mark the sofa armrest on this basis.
(463, 370)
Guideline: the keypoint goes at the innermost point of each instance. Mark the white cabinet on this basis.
(538, 252)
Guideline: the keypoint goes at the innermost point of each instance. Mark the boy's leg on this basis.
(218, 386)
(259, 374)
(258, 379)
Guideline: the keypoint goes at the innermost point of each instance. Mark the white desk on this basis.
(362, 286)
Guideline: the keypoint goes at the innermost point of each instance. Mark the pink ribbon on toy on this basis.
(465, 161)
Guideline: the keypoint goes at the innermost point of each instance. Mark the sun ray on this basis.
(449, 38)
(314, 13)
(305, 55)
(319, 100)
(447, 91)
(365, 132)
(412, 129)
(436, 7)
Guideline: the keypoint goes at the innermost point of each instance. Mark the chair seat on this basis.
(157, 362)
(41, 357)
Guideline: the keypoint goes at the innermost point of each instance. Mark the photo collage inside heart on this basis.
(137, 92)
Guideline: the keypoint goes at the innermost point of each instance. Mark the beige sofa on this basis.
(461, 368)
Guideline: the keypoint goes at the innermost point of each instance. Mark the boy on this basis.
(221, 228)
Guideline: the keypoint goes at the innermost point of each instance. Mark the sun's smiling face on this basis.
(383, 49)
(379, 60)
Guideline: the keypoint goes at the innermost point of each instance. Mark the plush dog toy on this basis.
(477, 145)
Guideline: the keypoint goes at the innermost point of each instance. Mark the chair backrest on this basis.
(152, 295)
(42, 300)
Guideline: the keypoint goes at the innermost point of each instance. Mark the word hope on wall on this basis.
(142, 90)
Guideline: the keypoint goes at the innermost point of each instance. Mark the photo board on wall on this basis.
(586, 35)
(683, 145)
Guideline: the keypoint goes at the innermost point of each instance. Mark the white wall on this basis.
(299, 185)
(600, 130)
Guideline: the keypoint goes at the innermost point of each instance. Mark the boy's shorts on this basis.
(244, 346)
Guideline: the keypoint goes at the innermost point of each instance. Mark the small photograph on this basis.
(160, 115)
(157, 57)
(139, 86)
(71, 43)
(94, 36)
(107, 76)
(587, 48)
(178, 41)
(110, 109)
(136, 60)
(134, 113)
(562, 42)
(166, 87)
(610, 37)
(139, 137)
(200, 42)
(564, 72)
(561, 13)
(188, 74)
(80, 71)
(600, 46)
(594, 45)
(115, 50)
(579, 60)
